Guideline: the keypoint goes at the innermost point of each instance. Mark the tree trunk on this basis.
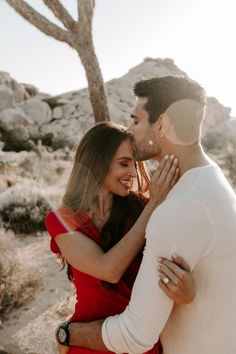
(78, 35)
(95, 83)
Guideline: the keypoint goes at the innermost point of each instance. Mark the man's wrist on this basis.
(88, 335)
(63, 334)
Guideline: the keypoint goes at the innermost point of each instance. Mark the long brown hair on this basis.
(92, 160)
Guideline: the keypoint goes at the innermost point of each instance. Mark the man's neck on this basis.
(190, 157)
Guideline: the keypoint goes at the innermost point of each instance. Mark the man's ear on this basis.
(162, 124)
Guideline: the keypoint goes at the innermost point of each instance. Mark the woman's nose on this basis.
(133, 172)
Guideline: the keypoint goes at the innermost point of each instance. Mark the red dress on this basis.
(94, 300)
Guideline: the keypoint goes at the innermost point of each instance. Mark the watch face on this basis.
(62, 335)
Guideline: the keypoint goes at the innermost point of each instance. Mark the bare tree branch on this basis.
(39, 21)
(61, 13)
(79, 36)
(85, 14)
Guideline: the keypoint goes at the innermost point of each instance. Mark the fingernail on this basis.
(160, 259)
(166, 157)
(171, 156)
(174, 255)
(175, 160)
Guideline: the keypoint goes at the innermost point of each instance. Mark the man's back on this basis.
(207, 325)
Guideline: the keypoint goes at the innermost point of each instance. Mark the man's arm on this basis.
(88, 335)
(181, 227)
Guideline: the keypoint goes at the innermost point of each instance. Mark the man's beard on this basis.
(143, 155)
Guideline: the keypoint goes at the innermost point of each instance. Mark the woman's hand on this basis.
(163, 180)
(176, 280)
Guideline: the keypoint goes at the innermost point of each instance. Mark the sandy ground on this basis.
(30, 329)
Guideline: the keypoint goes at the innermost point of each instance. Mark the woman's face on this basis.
(122, 170)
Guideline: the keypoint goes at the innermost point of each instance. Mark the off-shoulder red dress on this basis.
(94, 300)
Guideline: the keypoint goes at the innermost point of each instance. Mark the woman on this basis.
(100, 230)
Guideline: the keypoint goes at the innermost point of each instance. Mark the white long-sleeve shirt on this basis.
(197, 222)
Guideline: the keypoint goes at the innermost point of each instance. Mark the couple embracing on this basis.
(152, 258)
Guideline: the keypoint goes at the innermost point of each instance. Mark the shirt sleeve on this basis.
(54, 226)
(181, 227)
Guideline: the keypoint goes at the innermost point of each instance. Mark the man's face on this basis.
(145, 141)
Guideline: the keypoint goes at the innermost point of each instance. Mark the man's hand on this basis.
(176, 280)
(62, 349)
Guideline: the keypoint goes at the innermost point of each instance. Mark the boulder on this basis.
(37, 110)
(31, 89)
(57, 113)
(16, 130)
(231, 125)
(6, 98)
(217, 117)
(19, 92)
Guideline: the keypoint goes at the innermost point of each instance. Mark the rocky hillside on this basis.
(27, 116)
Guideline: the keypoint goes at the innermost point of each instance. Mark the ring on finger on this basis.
(166, 280)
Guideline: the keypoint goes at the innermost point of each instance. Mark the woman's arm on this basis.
(85, 255)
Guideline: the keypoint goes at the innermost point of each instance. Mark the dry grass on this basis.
(17, 283)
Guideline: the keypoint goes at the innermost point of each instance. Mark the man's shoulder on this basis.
(183, 227)
(184, 214)
(179, 207)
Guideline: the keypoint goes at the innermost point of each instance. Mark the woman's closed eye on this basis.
(123, 164)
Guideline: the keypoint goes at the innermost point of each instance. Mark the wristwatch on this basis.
(63, 334)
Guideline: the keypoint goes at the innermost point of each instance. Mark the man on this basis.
(197, 221)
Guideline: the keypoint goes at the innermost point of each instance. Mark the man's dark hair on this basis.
(163, 91)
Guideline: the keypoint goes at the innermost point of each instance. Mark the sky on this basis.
(199, 35)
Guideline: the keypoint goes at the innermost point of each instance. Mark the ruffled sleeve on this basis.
(54, 227)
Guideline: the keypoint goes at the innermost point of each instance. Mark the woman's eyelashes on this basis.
(123, 164)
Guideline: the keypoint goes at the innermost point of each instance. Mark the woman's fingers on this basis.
(163, 179)
(160, 167)
(169, 267)
(163, 168)
(169, 174)
(181, 262)
(166, 170)
(175, 178)
(166, 290)
(165, 272)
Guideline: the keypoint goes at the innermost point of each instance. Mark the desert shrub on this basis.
(17, 283)
(23, 208)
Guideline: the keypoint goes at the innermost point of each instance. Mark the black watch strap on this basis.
(63, 334)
